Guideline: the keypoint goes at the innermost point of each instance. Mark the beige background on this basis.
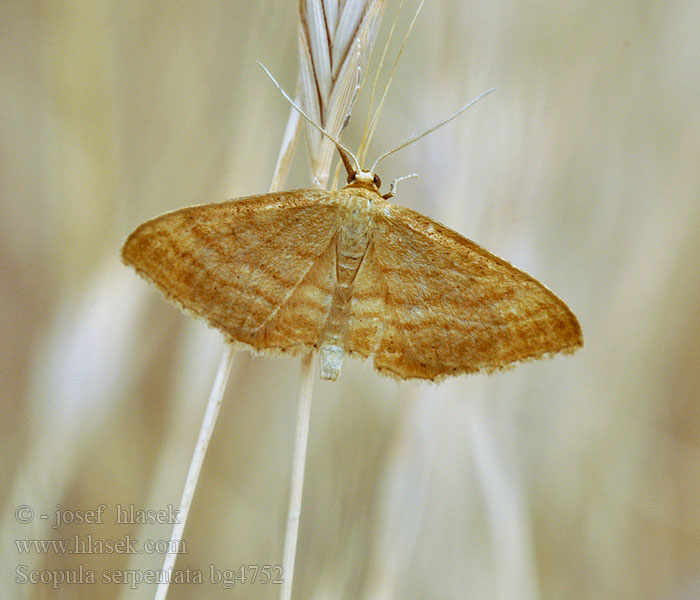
(572, 478)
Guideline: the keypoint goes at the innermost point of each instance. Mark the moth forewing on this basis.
(453, 307)
(248, 266)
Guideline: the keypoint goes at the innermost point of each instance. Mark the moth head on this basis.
(365, 179)
(357, 176)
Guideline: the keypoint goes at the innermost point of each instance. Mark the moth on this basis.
(348, 273)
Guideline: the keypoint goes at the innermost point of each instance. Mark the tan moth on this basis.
(347, 272)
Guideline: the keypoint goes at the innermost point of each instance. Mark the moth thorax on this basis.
(352, 239)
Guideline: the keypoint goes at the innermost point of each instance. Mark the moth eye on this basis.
(377, 181)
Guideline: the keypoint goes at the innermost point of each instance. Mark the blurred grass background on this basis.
(571, 478)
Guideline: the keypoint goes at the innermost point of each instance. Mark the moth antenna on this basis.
(338, 144)
(392, 185)
(415, 138)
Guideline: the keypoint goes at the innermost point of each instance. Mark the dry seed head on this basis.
(334, 43)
